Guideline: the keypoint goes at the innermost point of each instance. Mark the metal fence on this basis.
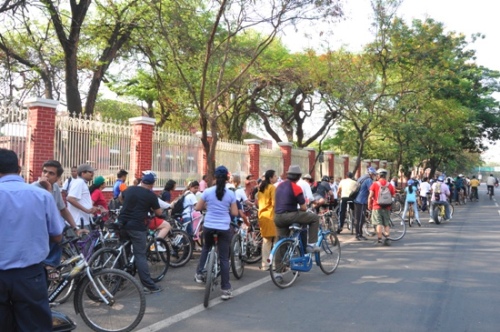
(14, 132)
(270, 159)
(234, 156)
(175, 156)
(301, 158)
(104, 144)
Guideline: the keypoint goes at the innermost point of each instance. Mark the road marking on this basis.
(199, 308)
(498, 211)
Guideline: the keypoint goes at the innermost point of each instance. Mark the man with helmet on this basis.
(346, 188)
(439, 195)
(291, 208)
(323, 192)
(459, 185)
(361, 201)
(381, 214)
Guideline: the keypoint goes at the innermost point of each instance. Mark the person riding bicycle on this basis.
(218, 201)
(291, 208)
(490, 184)
(474, 186)
(459, 185)
(440, 193)
(411, 197)
(346, 187)
(381, 214)
(323, 192)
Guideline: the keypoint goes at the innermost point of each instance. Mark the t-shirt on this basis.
(425, 188)
(347, 186)
(67, 184)
(166, 196)
(323, 189)
(137, 202)
(98, 199)
(445, 191)
(56, 193)
(241, 196)
(288, 196)
(189, 203)
(411, 197)
(375, 187)
(474, 183)
(79, 190)
(306, 189)
(116, 188)
(364, 190)
(203, 185)
(217, 216)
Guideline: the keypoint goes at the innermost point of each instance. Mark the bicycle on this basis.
(439, 212)
(396, 223)
(411, 215)
(107, 299)
(473, 194)
(211, 271)
(242, 248)
(157, 254)
(288, 256)
(461, 197)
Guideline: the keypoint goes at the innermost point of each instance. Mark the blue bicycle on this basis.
(288, 256)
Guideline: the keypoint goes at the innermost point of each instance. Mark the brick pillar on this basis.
(286, 151)
(41, 130)
(312, 161)
(254, 157)
(376, 163)
(330, 159)
(202, 156)
(346, 164)
(141, 144)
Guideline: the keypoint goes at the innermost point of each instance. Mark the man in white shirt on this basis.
(425, 189)
(306, 187)
(490, 184)
(79, 201)
(346, 187)
(67, 182)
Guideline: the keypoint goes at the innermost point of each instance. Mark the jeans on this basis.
(359, 217)
(415, 210)
(446, 208)
(55, 254)
(138, 239)
(24, 301)
(224, 243)
(189, 227)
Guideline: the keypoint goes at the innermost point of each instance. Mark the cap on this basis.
(85, 168)
(307, 176)
(460, 175)
(371, 170)
(294, 169)
(381, 171)
(99, 180)
(221, 171)
(148, 179)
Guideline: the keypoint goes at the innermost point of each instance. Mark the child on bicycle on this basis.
(411, 198)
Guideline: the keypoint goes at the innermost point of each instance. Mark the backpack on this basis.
(355, 192)
(384, 198)
(436, 188)
(459, 183)
(178, 205)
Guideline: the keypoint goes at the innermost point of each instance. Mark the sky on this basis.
(467, 17)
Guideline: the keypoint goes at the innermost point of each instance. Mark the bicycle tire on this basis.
(329, 257)
(211, 276)
(350, 220)
(106, 258)
(181, 247)
(280, 269)
(254, 247)
(53, 284)
(158, 261)
(398, 227)
(396, 206)
(125, 311)
(237, 264)
(436, 214)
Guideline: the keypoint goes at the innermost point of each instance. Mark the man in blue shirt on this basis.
(121, 177)
(361, 201)
(29, 219)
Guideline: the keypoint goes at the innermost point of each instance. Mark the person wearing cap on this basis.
(96, 193)
(217, 201)
(27, 226)
(346, 187)
(361, 201)
(138, 201)
(305, 184)
(381, 215)
(291, 208)
(80, 203)
(323, 192)
(411, 197)
(440, 194)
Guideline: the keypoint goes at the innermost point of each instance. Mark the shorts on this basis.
(381, 217)
(155, 223)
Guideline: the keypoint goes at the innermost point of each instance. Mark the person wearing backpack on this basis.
(361, 201)
(459, 185)
(188, 205)
(440, 193)
(380, 201)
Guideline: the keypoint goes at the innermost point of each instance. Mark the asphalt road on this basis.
(437, 278)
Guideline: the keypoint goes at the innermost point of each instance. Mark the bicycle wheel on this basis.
(396, 206)
(280, 269)
(237, 265)
(350, 220)
(181, 247)
(158, 257)
(127, 302)
(332, 223)
(106, 258)
(329, 257)
(398, 227)
(254, 247)
(52, 284)
(211, 276)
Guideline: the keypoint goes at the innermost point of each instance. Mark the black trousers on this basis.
(359, 217)
(343, 210)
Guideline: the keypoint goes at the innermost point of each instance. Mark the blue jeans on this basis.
(55, 254)
(224, 242)
(138, 239)
(24, 301)
(189, 227)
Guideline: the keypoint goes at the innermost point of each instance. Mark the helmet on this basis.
(411, 182)
(381, 171)
(325, 178)
(371, 171)
(460, 175)
(449, 179)
(440, 178)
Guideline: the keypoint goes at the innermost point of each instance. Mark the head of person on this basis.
(170, 185)
(122, 175)
(325, 179)
(491, 174)
(460, 175)
(473, 176)
(99, 183)
(382, 173)
(74, 172)
(249, 177)
(270, 177)
(425, 179)
(350, 175)
(86, 172)
(307, 177)
(294, 173)
(52, 171)
(372, 172)
(193, 186)
(236, 180)
(9, 163)
(204, 177)
(221, 176)
(440, 178)
(148, 179)
(411, 182)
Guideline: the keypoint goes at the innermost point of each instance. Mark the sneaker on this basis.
(159, 246)
(199, 278)
(387, 242)
(312, 248)
(431, 221)
(361, 238)
(379, 241)
(419, 223)
(148, 290)
(339, 230)
(226, 294)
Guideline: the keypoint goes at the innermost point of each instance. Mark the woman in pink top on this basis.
(96, 193)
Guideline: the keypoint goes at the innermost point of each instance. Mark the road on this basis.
(437, 278)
